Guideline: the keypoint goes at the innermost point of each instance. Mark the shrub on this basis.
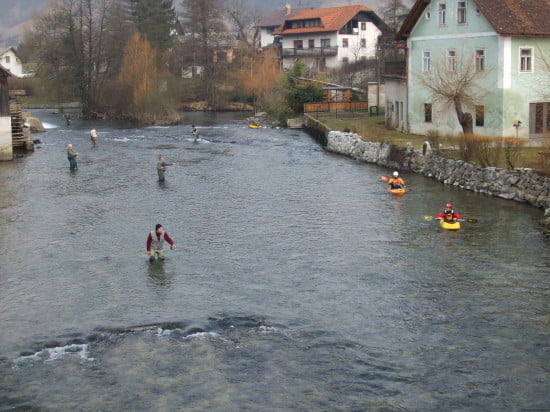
(512, 150)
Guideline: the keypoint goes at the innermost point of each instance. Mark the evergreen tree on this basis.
(155, 20)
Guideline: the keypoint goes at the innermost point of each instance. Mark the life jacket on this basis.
(157, 243)
(396, 182)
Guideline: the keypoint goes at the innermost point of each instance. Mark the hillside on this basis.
(17, 13)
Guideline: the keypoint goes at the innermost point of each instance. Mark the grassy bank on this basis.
(473, 150)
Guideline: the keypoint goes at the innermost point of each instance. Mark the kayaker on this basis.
(448, 214)
(396, 182)
(155, 242)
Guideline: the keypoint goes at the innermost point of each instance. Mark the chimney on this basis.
(288, 9)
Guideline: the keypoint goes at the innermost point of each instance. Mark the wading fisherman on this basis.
(155, 242)
(94, 137)
(448, 214)
(194, 133)
(72, 155)
(161, 168)
(396, 182)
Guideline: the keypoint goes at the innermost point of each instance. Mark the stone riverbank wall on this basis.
(521, 185)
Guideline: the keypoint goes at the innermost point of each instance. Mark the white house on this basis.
(271, 22)
(327, 38)
(10, 61)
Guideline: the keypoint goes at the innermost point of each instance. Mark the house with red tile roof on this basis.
(502, 45)
(327, 38)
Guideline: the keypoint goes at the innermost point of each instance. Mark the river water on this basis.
(298, 282)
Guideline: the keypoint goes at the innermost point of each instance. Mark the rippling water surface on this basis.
(298, 282)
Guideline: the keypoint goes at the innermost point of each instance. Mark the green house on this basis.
(490, 59)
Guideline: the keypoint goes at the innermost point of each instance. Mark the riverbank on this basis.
(520, 185)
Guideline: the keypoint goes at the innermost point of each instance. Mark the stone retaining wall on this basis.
(521, 185)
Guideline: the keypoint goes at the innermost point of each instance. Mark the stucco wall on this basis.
(6, 149)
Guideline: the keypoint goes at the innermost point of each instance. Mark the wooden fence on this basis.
(334, 106)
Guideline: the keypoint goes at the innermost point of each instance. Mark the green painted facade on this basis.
(502, 92)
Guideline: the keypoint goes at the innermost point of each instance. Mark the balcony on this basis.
(310, 52)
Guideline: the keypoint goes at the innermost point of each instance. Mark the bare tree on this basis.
(68, 43)
(456, 82)
(204, 22)
(543, 74)
(393, 13)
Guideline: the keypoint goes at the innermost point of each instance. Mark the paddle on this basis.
(460, 220)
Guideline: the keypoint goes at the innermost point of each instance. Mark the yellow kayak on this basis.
(254, 126)
(449, 225)
(399, 192)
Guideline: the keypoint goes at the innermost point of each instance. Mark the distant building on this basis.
(6, 147)
(268, 24)
(327, 38)
(10, 61)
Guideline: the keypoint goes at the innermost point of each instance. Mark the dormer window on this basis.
(299, 24)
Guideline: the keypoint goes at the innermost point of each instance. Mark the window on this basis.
(298, 44)
(363, 58)
(428, 15)
(345, 60)
(427, 61)
(480, 115)
(480, 60)
(526, 60)
(311, 43)
(461, 12)
(363, 26)
(7, 59)
(451, 60)
(427, 112)
(344, 42)
(442, 13)
(363, 43)
(325, 42)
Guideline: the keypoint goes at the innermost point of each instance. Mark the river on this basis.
(298, 282)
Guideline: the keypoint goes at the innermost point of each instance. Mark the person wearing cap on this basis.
(72, 155)
(161, 168)
(155, 243)
(396, 182)
(448, 214)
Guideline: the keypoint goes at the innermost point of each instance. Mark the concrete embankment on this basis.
(521, 185)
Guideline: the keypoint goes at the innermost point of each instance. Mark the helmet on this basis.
(448, 206)
(395, 174)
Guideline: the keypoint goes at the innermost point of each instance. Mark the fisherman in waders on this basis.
(194, 133)
(161, 168)
(155, 242)
(72, 155)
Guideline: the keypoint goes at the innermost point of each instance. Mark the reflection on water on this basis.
(298, 282)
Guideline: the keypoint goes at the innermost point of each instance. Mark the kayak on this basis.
(399, 192)
(449, 225)
(254, 126)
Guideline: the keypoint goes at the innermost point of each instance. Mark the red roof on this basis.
(507, 17)
(332, 19)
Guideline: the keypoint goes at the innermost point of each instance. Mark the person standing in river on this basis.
(72, 155)
(161, 168)
(155, 242)
(194, 133)
(94, 137)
